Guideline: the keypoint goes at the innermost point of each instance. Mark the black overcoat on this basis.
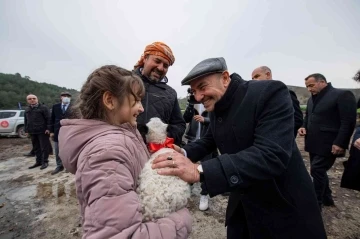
(329, 120)
(260, 164)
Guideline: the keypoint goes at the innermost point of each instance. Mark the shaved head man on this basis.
(264, 73)
(32, 99)
(37, 125)
(261, 73)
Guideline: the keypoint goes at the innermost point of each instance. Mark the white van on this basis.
(12, 123)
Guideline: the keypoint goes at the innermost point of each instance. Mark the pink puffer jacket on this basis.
(107, 161)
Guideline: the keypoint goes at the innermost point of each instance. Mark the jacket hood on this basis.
(75, 134)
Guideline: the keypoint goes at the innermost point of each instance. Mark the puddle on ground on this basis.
(22, 194)
(10, 163)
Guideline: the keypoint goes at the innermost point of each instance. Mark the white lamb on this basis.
(160, 195)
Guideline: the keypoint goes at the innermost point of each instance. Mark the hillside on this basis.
(14, 88)
(303, 95)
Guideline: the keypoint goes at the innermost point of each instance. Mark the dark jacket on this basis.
(204, 125)
(193, 126)
(298, 115)
(329, 120)
(351, 175)
(356, 135)
(37, 119)
(272, 195)
(203, 129)
(56, 116)
(161, 101)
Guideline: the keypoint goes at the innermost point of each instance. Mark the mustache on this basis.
(158, 72)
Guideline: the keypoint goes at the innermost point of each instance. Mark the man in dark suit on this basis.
(37, 124)
(252, 125)
(264, 73)
(59, 111)
(328, 125)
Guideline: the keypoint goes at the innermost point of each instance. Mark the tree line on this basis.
(14, 88)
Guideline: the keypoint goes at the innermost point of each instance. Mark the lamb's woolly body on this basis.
(160, 195)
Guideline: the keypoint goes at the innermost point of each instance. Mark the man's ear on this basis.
(225, 78)
(268, 74)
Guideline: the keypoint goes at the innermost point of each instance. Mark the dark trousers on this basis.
(32, 152)
(319, 165)
(41, 147)
(58, 160)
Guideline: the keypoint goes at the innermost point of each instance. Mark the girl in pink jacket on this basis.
(106, 153)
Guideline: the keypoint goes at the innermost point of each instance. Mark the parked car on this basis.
(12, 123)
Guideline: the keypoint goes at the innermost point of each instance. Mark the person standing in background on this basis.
(264, 73)
(328, 125)
(59, 111)
(37, 124)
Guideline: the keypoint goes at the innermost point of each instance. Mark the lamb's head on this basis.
(156, 131)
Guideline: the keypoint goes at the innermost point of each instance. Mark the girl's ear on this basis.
(108, 100)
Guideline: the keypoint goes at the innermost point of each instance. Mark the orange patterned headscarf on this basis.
(157, 49)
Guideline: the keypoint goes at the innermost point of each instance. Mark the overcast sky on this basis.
(62, 42)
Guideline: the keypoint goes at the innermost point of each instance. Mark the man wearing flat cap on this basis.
(252, 124)
(59, 111)
(160, 99)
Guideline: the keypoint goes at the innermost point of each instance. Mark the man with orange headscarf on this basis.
(160, 99)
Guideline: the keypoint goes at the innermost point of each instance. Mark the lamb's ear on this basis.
(143, 129)
(167, 127)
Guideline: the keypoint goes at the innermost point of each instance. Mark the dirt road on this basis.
(35, 204)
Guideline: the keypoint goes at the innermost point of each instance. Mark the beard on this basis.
(156, 75)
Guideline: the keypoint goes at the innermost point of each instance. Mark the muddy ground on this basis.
(35, 204)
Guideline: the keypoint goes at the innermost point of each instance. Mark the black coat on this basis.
(193, 126)
(298, 115)
(37, 119)
(161, 101)
(329, 120)
(260, 164)
(204, 125)
(351, 176)
(56, 116)
(203, 129)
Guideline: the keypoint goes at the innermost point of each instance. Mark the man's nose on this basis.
(160, 67)
(198, 97)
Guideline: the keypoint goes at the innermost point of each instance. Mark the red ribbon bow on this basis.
(169, 143)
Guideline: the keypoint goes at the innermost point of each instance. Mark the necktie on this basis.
(63, 109)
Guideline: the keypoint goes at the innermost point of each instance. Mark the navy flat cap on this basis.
(206, 67)
(65, 93)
